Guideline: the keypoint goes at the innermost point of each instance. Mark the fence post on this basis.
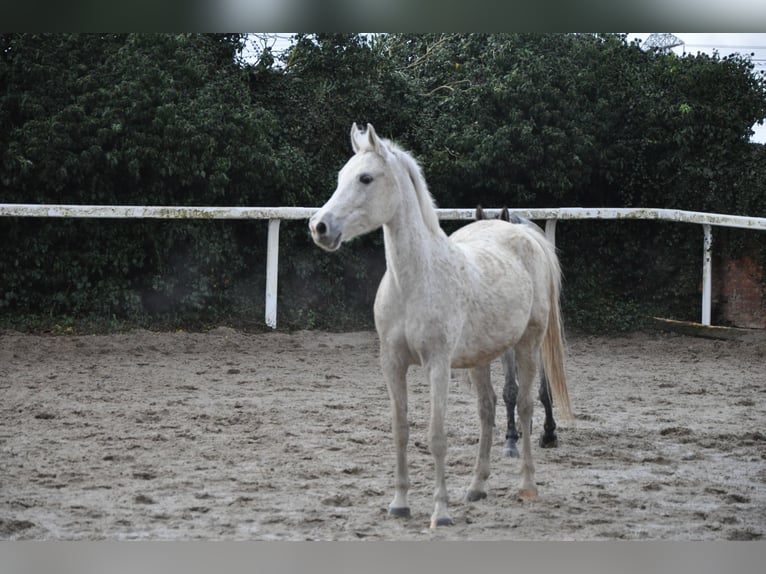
(272, 267)
(707, 273)
(550, 230)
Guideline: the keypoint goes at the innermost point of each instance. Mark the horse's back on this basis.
(499, 241)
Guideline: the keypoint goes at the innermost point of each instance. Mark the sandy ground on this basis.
(277, 436)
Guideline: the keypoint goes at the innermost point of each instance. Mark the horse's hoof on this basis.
(510, 450)
(474, 495)
(402, 512)
(444, 521)
(527, 493)
(549, 442)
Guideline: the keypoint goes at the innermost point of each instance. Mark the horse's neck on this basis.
(412, 248)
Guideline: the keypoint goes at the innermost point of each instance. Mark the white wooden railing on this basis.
(276, 214)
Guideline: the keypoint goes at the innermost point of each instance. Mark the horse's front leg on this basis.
(438, 376)
(486, 402)
(526, 360)
(510, 392)
(395, 373)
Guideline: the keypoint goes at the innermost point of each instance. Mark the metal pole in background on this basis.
(550, 230)
(272, 267)
(707, 273)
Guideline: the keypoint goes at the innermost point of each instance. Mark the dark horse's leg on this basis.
(510, 392)
(548, 439)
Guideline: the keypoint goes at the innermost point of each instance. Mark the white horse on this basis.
(447, 302)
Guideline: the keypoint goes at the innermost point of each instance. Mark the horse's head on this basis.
(363, 200)
(504, 215)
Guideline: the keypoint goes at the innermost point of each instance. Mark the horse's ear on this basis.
(356, 135)
(479, 213)
(374, 140)
(504, 215)
(365, 138)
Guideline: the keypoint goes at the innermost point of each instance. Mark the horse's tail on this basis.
(553, 341)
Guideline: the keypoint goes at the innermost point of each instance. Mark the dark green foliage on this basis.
(589, 120)
(497, 119)
(137, 120)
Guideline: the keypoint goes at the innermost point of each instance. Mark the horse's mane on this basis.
(425, 199)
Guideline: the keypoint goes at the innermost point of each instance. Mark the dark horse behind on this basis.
(548, 438)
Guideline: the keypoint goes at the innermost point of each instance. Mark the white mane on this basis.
(425, 199)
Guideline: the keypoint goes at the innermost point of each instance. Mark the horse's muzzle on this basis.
(325, 232)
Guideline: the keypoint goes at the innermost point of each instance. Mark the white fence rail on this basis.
(275, 214)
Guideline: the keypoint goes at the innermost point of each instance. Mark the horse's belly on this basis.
(475, 358)
(479, 348)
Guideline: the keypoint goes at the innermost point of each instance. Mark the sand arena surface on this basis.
(277, 436)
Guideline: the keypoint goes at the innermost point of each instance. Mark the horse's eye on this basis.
(365, 178)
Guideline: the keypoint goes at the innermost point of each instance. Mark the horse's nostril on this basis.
(321, 228)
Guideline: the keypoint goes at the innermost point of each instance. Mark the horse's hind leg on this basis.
(526, 359)
(486, 401)
(548, 439)
(510, 392)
